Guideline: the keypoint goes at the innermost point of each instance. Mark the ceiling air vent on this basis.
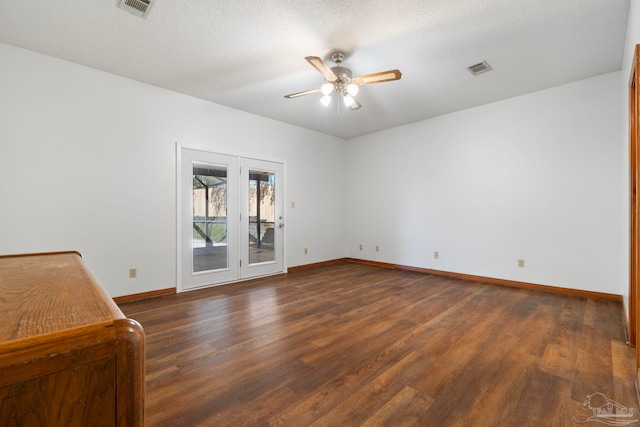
(479, 68)
(136, 7)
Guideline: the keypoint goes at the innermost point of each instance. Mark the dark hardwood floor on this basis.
(350, 345)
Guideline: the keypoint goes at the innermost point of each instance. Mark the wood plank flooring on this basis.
(351, 345)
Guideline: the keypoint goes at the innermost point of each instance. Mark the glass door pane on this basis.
(262, 215)
(209, 217)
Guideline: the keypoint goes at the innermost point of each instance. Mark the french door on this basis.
(230, 218)
(261, 218)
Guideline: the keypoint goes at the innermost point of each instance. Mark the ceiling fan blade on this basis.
(306, 92)
(319, 65)
(384, 76)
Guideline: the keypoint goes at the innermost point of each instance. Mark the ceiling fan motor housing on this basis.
(343, 74)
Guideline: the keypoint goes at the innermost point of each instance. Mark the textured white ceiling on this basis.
(249, 54)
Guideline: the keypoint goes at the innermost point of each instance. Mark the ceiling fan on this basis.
(339, 81)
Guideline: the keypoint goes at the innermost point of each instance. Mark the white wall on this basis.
(633, 38)
(535, 177)
(87, 163)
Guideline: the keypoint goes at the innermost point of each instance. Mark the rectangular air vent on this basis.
(136, 7)
(479, 68)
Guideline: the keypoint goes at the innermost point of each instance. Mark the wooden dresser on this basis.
(68, 356)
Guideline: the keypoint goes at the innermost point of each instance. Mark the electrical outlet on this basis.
(436, 255)
(360, 246)
(521, 263)
(133, 273)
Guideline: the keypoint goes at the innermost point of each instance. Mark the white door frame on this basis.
(181, 212)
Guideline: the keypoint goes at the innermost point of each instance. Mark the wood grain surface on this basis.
(68, 355)
(38, 296)
(350, 345)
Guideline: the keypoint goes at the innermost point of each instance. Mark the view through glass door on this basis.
(230, 218)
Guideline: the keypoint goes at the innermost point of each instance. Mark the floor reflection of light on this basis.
(265, 320)
(263, 306)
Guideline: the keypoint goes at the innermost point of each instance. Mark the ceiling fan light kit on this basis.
(339, 80)
(348, 100)
(352, 89)
(326, 89)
